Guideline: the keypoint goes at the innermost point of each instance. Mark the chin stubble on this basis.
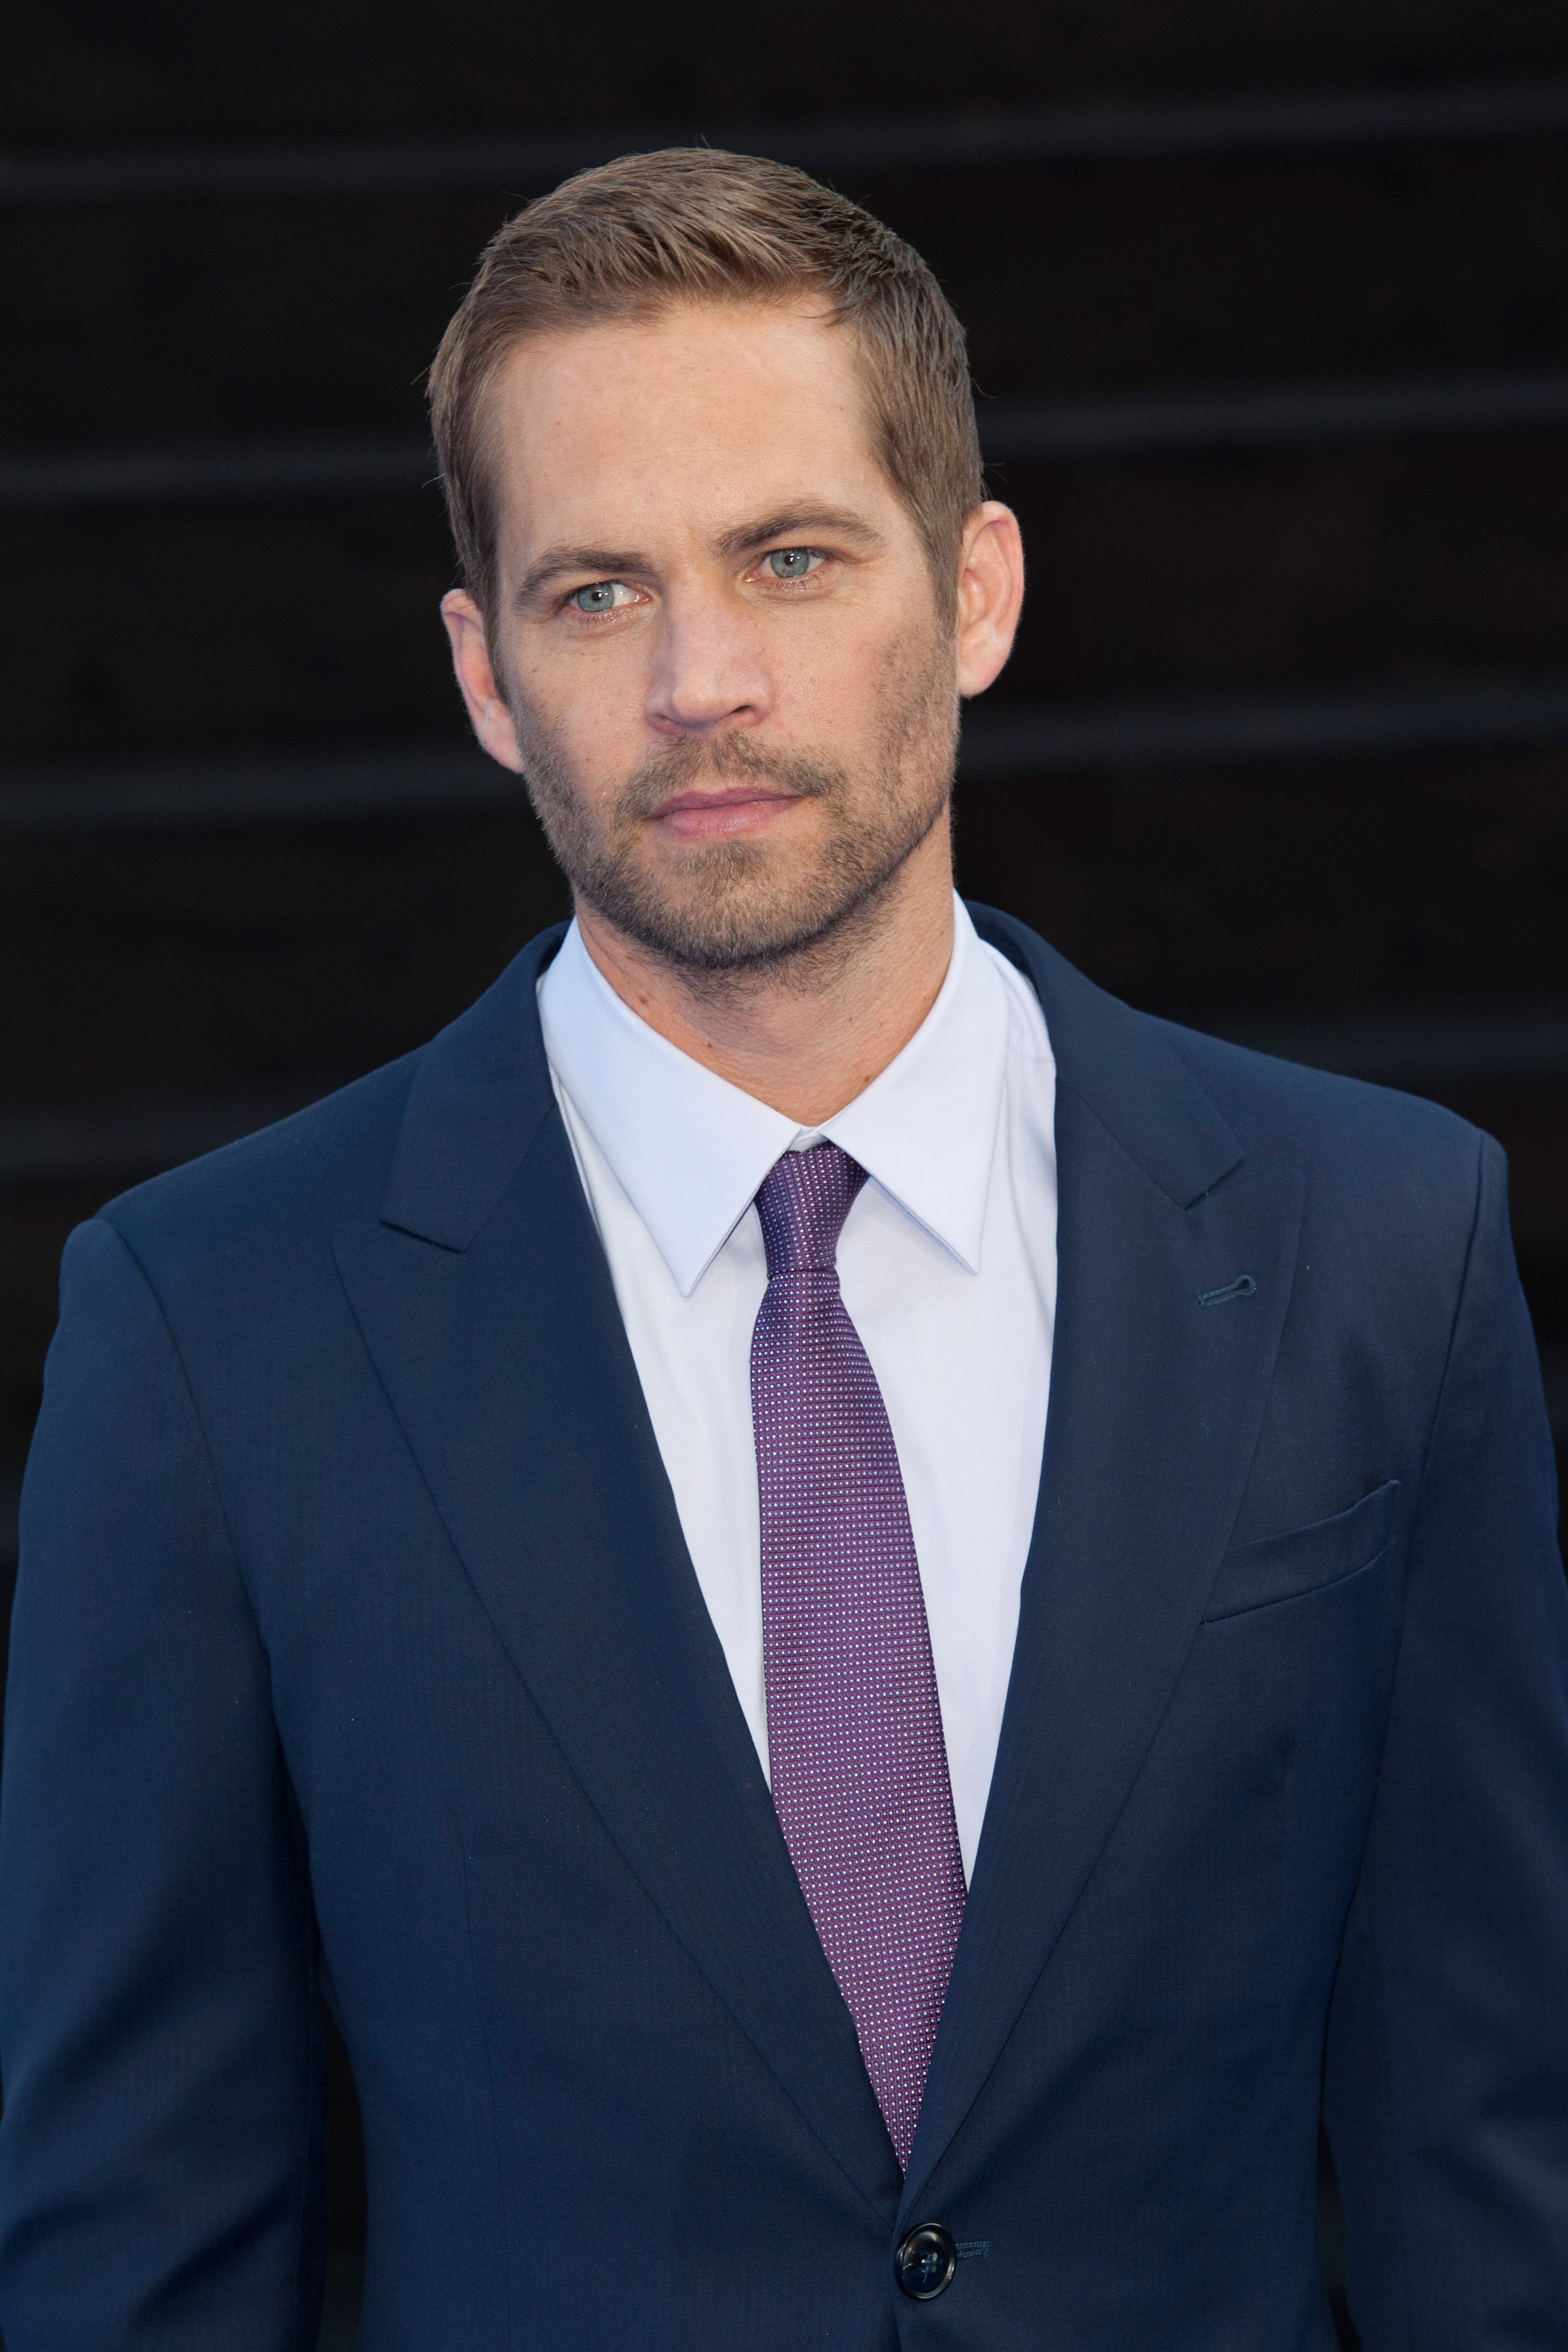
(737, 907)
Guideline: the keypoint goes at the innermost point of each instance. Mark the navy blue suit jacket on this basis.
(356, 1646)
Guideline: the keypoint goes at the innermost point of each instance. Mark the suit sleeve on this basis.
(160, 2150)
(1447, 2080)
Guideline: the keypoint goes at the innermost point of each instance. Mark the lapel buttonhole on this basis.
(1243, 1286)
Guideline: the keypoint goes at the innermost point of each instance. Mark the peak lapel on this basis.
(1155, 1408)
(487, 1306)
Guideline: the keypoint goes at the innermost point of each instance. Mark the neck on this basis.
(808, 1036)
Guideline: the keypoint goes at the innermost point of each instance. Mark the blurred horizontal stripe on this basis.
(1003, 740)
(831, 145)
(361, 465)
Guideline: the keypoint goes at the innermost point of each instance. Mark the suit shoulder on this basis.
(1276, 1110)
(1376, 1140)
(296, 1178)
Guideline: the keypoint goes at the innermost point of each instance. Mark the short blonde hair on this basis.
(688, 224)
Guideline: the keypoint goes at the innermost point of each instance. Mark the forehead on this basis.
(672, 424)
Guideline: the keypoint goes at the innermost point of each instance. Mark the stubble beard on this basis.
(721, 912)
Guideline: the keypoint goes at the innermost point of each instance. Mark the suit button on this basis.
(925, 2262)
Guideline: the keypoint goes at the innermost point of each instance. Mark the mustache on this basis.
(724, 760)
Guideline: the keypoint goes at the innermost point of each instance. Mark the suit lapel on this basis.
(1155, 1407)
(486, 1303)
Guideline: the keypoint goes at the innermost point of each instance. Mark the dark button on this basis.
(925, 2262)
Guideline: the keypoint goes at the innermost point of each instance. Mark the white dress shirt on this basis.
(948, 1267)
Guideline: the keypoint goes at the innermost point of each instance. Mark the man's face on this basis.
(720, 660)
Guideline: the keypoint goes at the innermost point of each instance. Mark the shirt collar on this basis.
(691, 1150)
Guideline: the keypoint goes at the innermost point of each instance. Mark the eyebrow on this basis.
(613, 564)
(598, 562)
(796, 524)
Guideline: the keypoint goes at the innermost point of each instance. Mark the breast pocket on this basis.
(1283, 1567)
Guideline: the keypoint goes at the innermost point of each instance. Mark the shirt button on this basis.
(925, 2262)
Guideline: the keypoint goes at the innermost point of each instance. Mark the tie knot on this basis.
(804, 1199)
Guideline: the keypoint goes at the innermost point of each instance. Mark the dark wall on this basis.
(1393, 905)
(171, 72)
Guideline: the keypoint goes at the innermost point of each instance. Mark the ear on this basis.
(477, 680)
(989, 594)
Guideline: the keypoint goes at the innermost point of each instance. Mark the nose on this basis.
(709, 669)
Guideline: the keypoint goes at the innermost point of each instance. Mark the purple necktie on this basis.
(855, 1746)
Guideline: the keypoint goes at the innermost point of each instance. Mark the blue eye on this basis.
(793, 562)
(602, 597)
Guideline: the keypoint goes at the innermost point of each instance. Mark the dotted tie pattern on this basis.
(854, 1745)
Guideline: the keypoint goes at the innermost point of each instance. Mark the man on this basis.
(561, 1549)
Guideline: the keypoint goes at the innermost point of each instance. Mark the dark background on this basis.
(1280, 392)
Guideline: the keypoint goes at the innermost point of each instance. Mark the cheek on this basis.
(591, 713)
(836, 681)
(602, 733)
